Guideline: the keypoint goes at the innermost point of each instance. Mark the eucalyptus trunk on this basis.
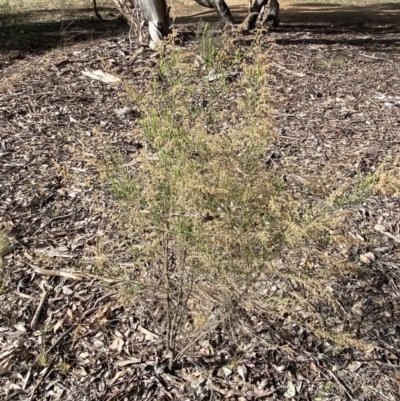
(153, 13)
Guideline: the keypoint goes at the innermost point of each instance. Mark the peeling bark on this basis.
(153, 12)
(257, 8)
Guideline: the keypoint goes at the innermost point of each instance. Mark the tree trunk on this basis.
(255, 10)
(153, 12)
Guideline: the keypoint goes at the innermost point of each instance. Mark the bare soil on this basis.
(336, 93)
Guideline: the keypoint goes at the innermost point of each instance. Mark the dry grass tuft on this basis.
(388, 179)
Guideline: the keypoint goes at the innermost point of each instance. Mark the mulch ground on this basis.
(336, 93)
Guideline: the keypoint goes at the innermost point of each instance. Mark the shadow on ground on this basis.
(378, 26)
(42, 30)
(39, 31)
(331, 20)
(382, 16)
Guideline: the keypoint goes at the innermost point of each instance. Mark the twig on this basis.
(42, 377)
(341, 385)
(373, 57)
(148, 333)
(127, 383)
(388, 365)
(96, 11)
(59, 339)
(395, 238)
(22, 295)
(197, 338)
(61, 273)
(103, 298)
(71, 275)
(36, 316)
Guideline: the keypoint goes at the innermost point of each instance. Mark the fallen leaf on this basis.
(227, 371)
(367, 258)
(101, 76)
(117, 344)
(291, 391)
(126, 362)
(242, 371)
(116, 377)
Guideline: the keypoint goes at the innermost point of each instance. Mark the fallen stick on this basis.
(36, 316)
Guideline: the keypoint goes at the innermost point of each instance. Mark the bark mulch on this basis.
(66, 332)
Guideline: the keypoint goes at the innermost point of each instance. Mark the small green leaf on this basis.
(291, 391)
